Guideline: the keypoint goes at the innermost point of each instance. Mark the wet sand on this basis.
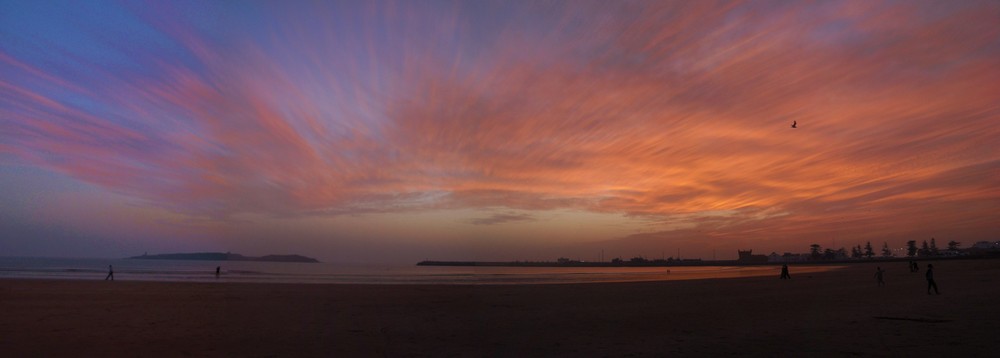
(837, 313)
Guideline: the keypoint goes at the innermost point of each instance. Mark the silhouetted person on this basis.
(784, 272)
(930, 280)
(217, 269)
(111, 274)
(911, 265)
(916, 267)
(795, 124)
(878, 276)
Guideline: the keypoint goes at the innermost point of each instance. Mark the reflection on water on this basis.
(280, 272)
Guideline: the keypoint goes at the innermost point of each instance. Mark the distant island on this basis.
(226, 256)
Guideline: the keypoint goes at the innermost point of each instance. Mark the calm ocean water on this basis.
(328, 273)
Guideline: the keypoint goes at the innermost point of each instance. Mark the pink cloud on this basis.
(659, 109)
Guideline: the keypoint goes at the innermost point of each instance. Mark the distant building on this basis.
(748, 257)
(790, 257)
(987, 245)
(951, 253)
(787, 257)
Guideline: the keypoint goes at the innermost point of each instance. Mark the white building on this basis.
(987, 245)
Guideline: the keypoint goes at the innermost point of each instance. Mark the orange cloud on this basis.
(675, 111)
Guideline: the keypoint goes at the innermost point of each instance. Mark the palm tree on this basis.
(814, 251)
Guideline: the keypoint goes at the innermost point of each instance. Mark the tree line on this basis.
(817, 252)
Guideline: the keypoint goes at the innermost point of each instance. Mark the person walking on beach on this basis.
(784, 272)
(111, 274)
(878, 276)
(930, 280)
(217, 269)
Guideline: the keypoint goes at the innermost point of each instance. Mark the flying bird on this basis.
(794, 123)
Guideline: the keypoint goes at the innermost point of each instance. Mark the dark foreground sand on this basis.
(836, 313)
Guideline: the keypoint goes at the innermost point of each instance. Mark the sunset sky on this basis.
(362, 131)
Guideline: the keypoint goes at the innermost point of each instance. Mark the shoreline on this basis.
(180, 271)
(656, 276)
(185, 271)
(833, 313)
(694, 262)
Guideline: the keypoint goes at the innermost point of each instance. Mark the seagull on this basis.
(794, 123)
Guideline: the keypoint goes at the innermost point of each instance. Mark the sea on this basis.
(333, 273)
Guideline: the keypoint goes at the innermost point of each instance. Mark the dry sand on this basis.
(836, 313)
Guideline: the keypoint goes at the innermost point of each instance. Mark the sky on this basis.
(393, 132)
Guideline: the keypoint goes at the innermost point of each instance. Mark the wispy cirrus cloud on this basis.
(501, 218)
(660, 109)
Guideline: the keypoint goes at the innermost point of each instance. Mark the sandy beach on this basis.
(837, 313)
